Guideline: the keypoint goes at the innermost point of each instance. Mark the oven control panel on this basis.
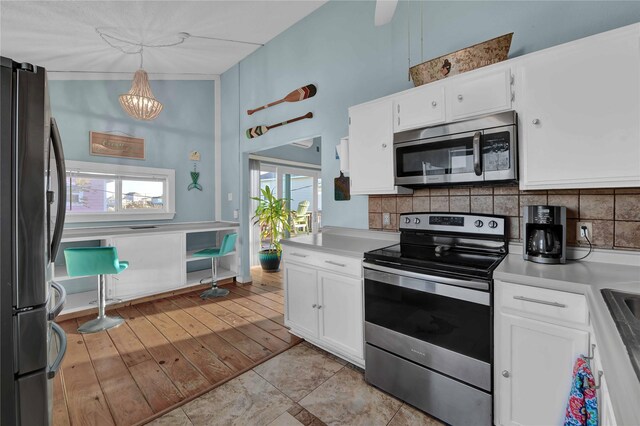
(454, 222)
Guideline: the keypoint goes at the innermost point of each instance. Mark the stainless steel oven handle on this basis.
(542, 302)
(433, 285)
(62, 297)
(477, 158)
(479, 285)
(62, 336)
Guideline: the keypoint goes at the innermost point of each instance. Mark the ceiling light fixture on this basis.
(139, 102)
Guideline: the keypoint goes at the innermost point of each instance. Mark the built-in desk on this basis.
(160, 257)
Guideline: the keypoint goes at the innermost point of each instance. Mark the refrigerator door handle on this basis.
(62, 338)
(62, 189)
(62, 298)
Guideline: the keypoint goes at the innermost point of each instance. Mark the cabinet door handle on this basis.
(460, 98)
(314, 306)
(299, 255)
(384, 145)
(505, 373)
(398, 120)
(542, 302)
(535, 121)
(599, 384)
(434, 104)
(319, 306)
(398, 108)
(331, 262)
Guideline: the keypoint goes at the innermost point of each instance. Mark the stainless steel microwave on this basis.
(474, 151)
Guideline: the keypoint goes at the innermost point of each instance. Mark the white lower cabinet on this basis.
(534, 373)
(301, 298)
(156, 264)
(325, 307)
(539, 334)
(340, 307)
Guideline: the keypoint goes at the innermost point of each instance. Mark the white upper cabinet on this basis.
(579, 113)
(420, 107)
(371, 148)
(480, 92)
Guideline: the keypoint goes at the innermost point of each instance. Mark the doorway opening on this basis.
(292, 172)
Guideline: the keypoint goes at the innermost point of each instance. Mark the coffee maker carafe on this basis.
(545, 234)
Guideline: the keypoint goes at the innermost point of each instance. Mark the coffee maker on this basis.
(545, 234)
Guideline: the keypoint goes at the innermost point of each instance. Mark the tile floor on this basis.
(302, 386)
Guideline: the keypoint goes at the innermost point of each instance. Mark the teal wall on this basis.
(351, 61)
(184, 125)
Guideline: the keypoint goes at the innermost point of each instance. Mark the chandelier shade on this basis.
(139, 102)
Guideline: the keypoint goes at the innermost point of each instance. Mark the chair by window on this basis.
(299, 218)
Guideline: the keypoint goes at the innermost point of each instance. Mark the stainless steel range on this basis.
(429, 314)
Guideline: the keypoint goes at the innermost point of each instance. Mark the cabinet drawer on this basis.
(298, 255)
(340, 264)
(318, 259)
(544, 303)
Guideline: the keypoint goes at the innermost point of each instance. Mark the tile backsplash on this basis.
(615, 213)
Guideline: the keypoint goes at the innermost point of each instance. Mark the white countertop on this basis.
(589, 278)
(86, 233)
(344, 241)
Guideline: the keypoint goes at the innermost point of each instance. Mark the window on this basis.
(106, 192)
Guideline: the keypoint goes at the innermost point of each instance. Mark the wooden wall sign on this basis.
(108, 145)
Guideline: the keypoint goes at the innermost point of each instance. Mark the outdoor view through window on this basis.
(95, 193)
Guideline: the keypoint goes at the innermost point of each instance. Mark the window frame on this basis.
(119, 172)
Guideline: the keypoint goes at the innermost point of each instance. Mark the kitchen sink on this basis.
(633, 303)
(625, 310)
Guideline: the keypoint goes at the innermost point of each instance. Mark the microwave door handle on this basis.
(424, 172)
(477, 158)
(62, 189)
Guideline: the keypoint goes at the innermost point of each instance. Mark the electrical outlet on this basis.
(236, 213)
(386, 218)
(580, 233)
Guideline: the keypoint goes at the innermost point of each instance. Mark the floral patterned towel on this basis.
(582, 408)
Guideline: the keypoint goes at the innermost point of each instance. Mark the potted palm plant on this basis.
(272, 214)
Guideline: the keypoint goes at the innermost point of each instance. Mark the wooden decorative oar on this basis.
(254, 132)
(305, 92)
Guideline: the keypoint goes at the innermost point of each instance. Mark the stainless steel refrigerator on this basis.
(32, 207)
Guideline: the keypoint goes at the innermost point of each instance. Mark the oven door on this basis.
(444, 327)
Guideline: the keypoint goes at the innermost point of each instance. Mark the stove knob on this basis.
(416, 220)
(493, 224)
(407, 219)
(479, 223)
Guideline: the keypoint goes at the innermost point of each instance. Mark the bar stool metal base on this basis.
(100, 324)
(214, 292)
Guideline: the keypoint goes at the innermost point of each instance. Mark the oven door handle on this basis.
(466, 290)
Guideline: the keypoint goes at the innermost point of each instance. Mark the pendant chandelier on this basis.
(139, 102)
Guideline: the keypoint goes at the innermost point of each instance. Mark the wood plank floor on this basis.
(169, 350)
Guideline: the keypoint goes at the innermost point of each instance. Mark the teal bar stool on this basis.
(227, 246)
(90, 261)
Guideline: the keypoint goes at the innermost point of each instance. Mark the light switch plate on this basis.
(230, 196)
(236, 214)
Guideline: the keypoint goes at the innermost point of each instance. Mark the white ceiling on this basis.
(61, 35)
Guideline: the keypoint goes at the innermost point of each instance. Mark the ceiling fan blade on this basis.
(384, 11)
